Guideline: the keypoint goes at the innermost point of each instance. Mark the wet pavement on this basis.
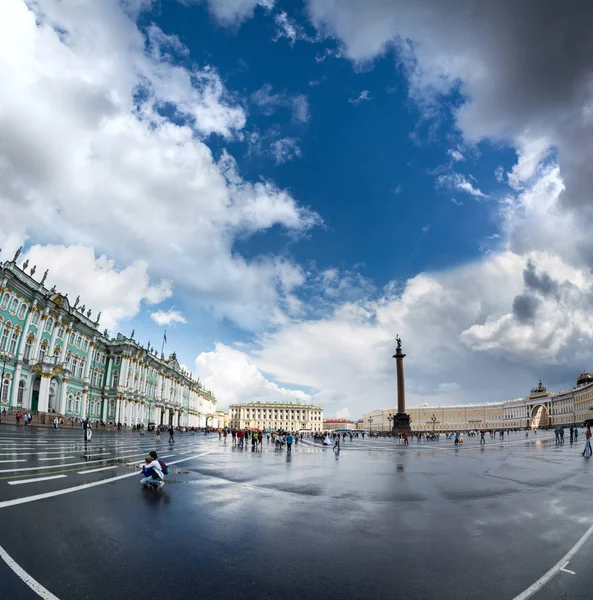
(428, 521)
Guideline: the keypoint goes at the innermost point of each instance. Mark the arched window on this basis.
(14, 340)
(49, 324)
(5, 300)
(36, 317)
(5, 390)
(78, 340)
(43, 350)
(77, 405)
(14, 305)
(57, 351)
(22, 311)
(4, 338)
(21, 393)
(71, 339)
(28, 347)
(70, 404)
(115, 379)
(68, 359)
(61, 331)
(81, 368)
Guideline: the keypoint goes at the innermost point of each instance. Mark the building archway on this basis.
(54, 396)
(539, 416)
(35, 394)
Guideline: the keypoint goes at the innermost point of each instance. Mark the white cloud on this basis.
(455, 155)
(236, 379)
(161, 317)
(285, 149)
(117, 293)
(288, 28)
(233, 12)
(343, 413)
(459, 182)
(86, 158)
(268, 102)
(364, 96)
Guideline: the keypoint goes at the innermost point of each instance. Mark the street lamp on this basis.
(434, 420)
(391, 419)
(370, 425)
(4, 357)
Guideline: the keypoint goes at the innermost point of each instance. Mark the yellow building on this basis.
(540, 409)
(289, 416)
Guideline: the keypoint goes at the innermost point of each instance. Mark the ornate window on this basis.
(115, 379)
(21, 393)
(43, 350)
(77, 405)
(61, 332)
(14, 305)
(5, 390)
(81, 368)
(4, 338)
(28, 347)
(70, 403)
(22, 311)
(57, 351)
(78, 340)
(71, 339)
(14, 340)
(75, 365)
(5, 300)
(85, 345)
(49, 323)
(36, 317)
(68, 359)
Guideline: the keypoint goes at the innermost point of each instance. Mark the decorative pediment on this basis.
(60, 301)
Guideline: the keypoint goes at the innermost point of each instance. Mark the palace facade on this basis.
(55, 359)
(539, 409)
(289, 416)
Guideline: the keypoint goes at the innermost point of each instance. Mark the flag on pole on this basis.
(165, 337)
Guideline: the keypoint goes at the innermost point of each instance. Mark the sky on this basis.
(283, 186)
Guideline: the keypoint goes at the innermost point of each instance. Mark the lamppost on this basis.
(434, 420)
(370, 426)
(391, 418)
(4, 357)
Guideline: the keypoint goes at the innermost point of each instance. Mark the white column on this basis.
(40, 328)
(110, 361)
(52, 342)
(15, 385)
(105, 400)
(63, 391)
(84, 401)
(43, 392)
(65, 342)
(117, 410)
(123, 372)
(23, 341)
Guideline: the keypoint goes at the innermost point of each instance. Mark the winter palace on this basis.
(54, 359)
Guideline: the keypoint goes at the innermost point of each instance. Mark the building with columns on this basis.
(55, 359)
(540, 408)
(289, 416)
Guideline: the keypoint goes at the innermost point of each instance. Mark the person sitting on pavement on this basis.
(153, 473)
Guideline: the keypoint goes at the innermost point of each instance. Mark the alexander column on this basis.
(401, 421)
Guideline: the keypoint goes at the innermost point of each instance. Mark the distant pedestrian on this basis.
(576, 435)
(482, 439)
(289, 440)
(587, 450)
(57, 423)
(157, 434)
(571, 431)
(171, 435)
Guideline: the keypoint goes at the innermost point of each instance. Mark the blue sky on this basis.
(285, 185)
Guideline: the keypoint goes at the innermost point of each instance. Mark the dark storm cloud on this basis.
(543, 283)
(524, 66)
(525, 307)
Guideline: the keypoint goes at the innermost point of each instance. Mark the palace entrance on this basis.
(539, 416)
